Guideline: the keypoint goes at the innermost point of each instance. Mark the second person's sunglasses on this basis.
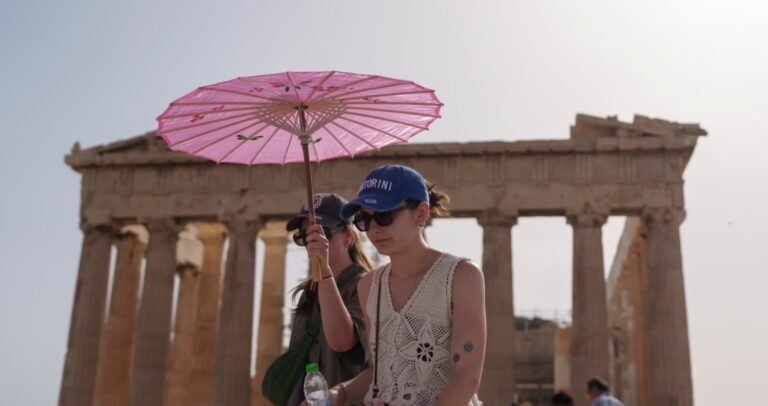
(300, 236)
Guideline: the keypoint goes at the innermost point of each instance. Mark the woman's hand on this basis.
(317, 246)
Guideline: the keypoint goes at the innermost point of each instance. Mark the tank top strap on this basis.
(449, 265)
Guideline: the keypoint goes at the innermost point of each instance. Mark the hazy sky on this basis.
(96, 71)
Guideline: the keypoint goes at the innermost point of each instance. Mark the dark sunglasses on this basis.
(383, 218)
(300, 236)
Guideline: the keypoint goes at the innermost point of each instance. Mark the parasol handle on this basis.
(305, 140)
(314, 261)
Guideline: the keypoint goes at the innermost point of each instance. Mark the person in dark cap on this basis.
(562, 399)
(338, 348)
(599, 393)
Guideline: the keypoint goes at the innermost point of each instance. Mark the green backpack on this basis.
(282, 374)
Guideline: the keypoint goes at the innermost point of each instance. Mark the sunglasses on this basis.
(383, 218)
(300, 236)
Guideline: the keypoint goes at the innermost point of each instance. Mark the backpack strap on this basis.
(351, 275)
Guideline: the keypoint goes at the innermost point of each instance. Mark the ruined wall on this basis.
(627, 317)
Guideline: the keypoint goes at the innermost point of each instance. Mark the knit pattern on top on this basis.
(415, 342)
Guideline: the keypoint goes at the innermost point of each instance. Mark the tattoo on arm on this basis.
(468, 347)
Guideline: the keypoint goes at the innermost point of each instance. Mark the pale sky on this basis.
(95, 72)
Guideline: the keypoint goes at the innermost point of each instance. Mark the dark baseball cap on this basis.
(386, 187)
(327, 212)
(597, 383)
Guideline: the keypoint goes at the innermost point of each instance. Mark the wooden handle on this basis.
(316, 276)
(315, 261)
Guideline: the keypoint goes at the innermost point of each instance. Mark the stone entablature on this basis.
(617, 167)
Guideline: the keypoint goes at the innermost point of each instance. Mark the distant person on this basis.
(600, 394)
(562, 399)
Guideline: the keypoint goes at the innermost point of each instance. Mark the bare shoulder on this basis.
(467, 280)
(467, 272)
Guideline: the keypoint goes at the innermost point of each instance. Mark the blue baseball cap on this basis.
(385, 188)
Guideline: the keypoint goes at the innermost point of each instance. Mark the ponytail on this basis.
(438, 201)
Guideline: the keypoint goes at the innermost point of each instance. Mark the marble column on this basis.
(181, 359)
(200, 391)
(153, 326)
(669, 352)
(233, 348)
(270, 339)
(589, 334)
(189, 256)
(81, 361)
(498, 382)
(116, 353)
(562, 359)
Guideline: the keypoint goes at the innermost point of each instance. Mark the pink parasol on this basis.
(297, 116)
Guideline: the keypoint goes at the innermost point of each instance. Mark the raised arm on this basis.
(338, 327)
(467, 336)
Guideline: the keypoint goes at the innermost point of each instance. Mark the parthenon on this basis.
(170, 216)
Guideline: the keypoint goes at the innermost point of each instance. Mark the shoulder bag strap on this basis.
(375, 389)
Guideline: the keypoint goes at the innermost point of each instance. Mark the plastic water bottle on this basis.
(315, 387)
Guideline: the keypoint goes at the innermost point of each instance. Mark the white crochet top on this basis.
(415, 343)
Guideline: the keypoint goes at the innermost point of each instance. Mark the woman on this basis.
(424, 311)
(339, 346)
